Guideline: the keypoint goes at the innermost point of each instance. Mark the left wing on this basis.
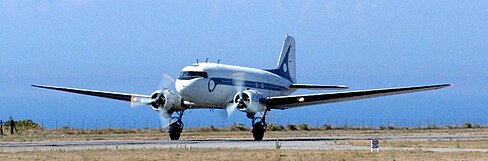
(284, 102)
(104, 94)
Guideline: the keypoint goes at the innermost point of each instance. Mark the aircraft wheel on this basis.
(175, 131)
(258, 130)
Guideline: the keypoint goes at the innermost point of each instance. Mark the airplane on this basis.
(249, 90)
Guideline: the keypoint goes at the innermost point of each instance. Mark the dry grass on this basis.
(479, 143)
(234, 154)
(208, 133)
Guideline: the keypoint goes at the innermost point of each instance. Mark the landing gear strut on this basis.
(176, 127)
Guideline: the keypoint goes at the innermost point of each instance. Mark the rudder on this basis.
(286, 66)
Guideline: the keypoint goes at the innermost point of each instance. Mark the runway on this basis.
(320, 143)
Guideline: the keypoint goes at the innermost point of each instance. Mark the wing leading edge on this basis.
(104, 94)
(283, 102)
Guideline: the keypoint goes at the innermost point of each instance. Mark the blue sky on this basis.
(126, 46)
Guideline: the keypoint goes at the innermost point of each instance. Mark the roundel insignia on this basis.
(211, 85)
(285, 67)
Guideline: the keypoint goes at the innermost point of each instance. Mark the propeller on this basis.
(239, 85)
(166, 81)
(164, 84)
(231, 107)
(163, 113)
(167, 124)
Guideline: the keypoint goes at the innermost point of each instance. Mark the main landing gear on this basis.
(176, 127)
(258, 126)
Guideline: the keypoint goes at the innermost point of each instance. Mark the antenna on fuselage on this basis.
(218, 61)
(206, 60)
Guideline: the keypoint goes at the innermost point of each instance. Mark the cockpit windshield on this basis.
(192, 74)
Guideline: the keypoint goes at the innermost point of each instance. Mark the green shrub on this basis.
(291, 127)
(432, 127)
(66, 127)
(304, 126)
(391, 127)
(326, 127)
(275, 127)
(23, 125)
(468, 125)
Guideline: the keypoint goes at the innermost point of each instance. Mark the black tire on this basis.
(258, 130)
(174, 131)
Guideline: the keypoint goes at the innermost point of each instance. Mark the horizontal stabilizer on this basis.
(318, 87)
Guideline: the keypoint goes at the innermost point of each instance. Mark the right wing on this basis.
(132, 98)
(284, 102)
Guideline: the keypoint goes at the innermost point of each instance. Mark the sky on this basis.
(126, 46)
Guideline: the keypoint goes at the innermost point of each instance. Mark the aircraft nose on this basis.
(184, 86)
(191, 88)
(181, 86)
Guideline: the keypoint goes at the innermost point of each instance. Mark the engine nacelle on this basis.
(250, 101)
(169, 100)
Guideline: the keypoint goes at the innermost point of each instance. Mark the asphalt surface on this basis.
(320, 143)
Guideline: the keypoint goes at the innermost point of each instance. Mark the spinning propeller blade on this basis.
(238, 81)
(163, 113)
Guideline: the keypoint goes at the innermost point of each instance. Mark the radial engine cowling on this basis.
(169, 100)
(250, 101)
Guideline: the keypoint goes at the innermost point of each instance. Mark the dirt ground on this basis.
(156, 134)
(235, 154)
(249, 154)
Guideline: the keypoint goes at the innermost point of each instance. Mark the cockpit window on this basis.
(192, 74)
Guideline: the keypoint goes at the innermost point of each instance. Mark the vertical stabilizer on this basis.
(286, 66)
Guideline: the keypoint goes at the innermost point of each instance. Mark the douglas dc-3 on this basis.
(250, 90)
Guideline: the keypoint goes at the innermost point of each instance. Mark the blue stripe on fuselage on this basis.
(247, 84)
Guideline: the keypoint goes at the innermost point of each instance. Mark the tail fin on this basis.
(286, 66)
